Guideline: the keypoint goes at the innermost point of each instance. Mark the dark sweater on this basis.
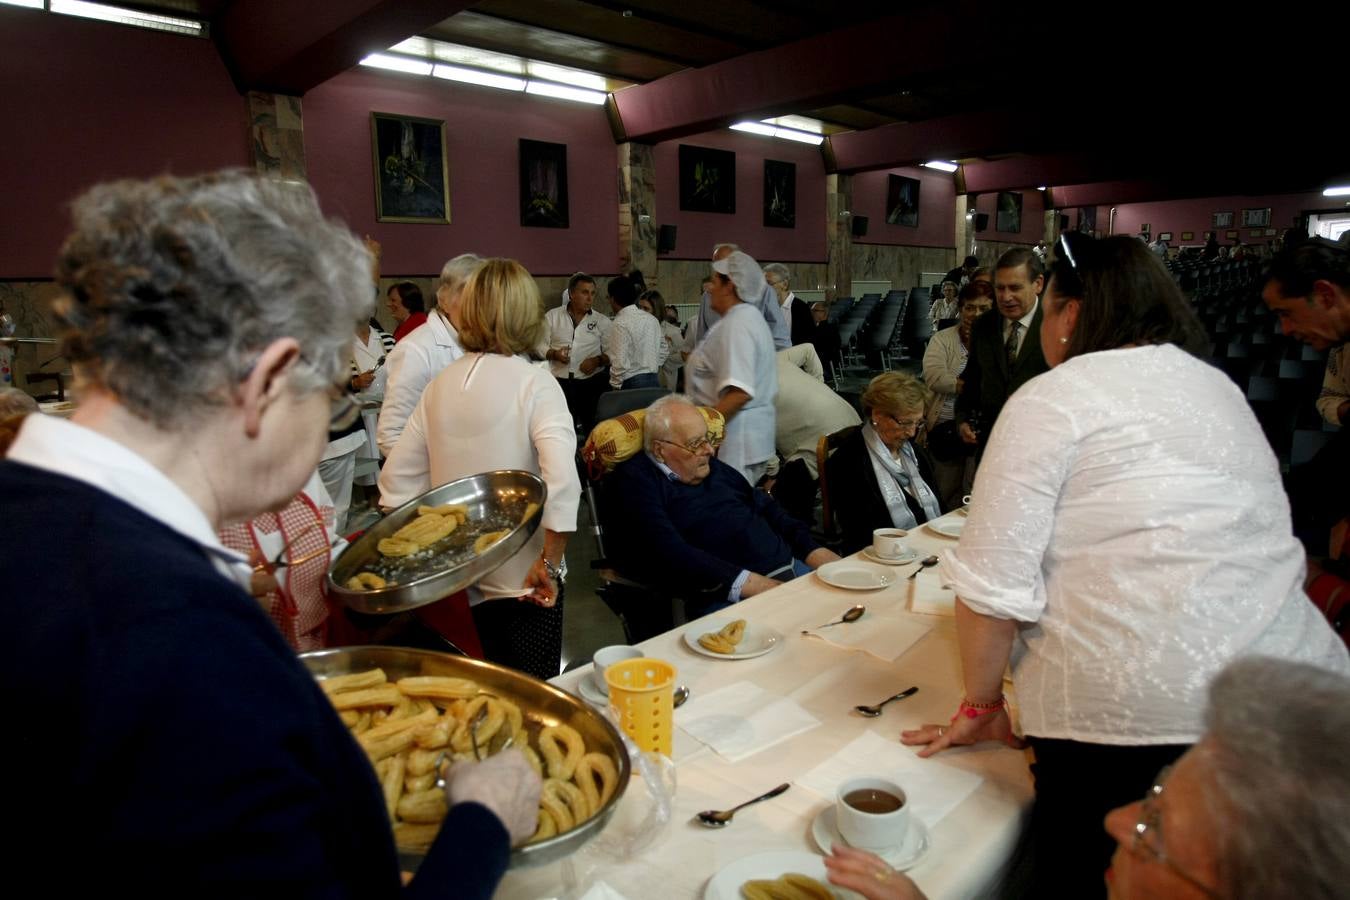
(859, 507)
(163, 739)
(699, 536)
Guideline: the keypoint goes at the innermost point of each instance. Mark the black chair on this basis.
(1305, 445)
(616, 403)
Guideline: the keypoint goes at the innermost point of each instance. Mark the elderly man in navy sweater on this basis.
(692, 522)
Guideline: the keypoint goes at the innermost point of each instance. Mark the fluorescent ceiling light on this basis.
(563, 92)
(1342, 190)
(787, 134)
(1041, 188)
(473, 76)
(397, 64)
(561, 75)
(124, 16)
(31, 4)
(941, 165)
(755, 128)
(799, 123)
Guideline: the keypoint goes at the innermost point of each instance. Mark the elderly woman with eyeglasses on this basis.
(877, 478)
(208, 320)
(1128, 539)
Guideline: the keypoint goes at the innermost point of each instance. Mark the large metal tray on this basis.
(496, 500)
(542, 705)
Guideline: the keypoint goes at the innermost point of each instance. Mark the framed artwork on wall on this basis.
(1271, 232)
(1231, 235)
(780, 194)
(1256, 218)
(1164, 235)
(707, 179)
(1256, 233)
(1087, 219)
(1222, 220)
(902, 201)
(412, 174)
(1009, 212)
(543, 184)
(1188, 235)
(1145, 228)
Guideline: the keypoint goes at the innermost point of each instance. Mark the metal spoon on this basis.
(713, 818)
(873, 711)
(852, 615)
(681, 695)
(923, 564)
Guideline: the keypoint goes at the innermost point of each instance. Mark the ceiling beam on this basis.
(290, 46)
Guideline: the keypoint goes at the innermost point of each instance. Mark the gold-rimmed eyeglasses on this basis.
(708, 440)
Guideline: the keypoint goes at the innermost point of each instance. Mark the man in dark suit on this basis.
(1005, 345)
(795, 310)
(825, 337)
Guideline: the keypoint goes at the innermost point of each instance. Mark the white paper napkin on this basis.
(885, 638)
(602, 891)
(742, 719)
(933, 789)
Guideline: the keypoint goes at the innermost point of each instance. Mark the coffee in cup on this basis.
(608, 656)
(889, 543)
(872, 813)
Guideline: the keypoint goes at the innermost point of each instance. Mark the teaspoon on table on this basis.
(713, 818)
(853, 615)
(872, 712)
(923, 564)
(681, 694)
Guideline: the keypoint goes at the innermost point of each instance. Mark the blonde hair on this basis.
(500, 309)
(894, 392)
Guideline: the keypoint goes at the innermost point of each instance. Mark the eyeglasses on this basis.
(905, 424)
(1148, 839)
(708, 440)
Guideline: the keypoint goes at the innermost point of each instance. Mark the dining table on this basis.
(976, 797)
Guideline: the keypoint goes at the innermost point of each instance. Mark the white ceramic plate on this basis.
(948, 526)
(726, 884)
(906, 856)
(855, 576)
(757, 640)
(904, 559)
(589, 689)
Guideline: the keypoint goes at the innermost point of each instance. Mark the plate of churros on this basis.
(415, 712)
(774, 875)
(439, 543)
(731, 639)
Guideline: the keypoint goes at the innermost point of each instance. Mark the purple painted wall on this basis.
(1196, 216)
(1033, 218)
(483, 128)
(88, 101)
(698, 231)
(937, 209)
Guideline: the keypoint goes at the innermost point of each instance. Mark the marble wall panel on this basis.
(276, 134)
(30, 304)
(899, 265)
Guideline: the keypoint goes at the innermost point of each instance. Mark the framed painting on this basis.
(1271, 232)
(1009, 212)
(412, 174)
(1256, 233)
(1145, 228)
(1165, 236)
(780, 194)
(1222, 220)
(902, 201)
(1231, 235)
(1087, 219)
(707, 179)
(1188, 235)
(1256, 218)
(543, 184)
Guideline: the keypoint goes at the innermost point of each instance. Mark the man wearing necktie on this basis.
(1005, 345)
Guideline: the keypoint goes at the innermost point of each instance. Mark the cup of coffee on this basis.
(889, 543)
(872, 813)
(608, 656)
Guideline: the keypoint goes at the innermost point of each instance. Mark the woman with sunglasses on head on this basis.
(1129, 538)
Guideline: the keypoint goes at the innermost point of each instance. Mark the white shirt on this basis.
(779, 325)
(57, 445)
(635, 345)
(805, 407)
(738, 352)
(483, 412)
(368, 356)
(1025, 322)
(674, 338)
(1129, 516)
(415, 360)
(585, 338)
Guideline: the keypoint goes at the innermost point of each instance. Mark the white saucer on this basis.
(855, 576)
(908, 557)
(590, 690)
(906, 856)
(948, 526)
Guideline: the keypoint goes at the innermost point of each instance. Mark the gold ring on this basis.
(941, 730)
(882, 874)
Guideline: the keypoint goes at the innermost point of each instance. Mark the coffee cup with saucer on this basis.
(888, 546)
(593, 686)
(873, 814)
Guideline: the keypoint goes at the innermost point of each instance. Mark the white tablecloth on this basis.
(971, 844)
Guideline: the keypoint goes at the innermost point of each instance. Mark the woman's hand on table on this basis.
(505, 784)
(869, 875)
(963, 730)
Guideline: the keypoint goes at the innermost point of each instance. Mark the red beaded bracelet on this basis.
(975, 710)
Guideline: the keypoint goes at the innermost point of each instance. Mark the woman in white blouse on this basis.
(1129, 537)
(493, 409)
(943, 364)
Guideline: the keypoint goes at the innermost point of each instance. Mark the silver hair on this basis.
(784, 274)
(1276, 739)
(14, 402)
(660, 415)
(457, 270)
(173, 286)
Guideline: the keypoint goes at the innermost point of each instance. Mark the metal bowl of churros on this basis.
(439, 543)
(414, 711)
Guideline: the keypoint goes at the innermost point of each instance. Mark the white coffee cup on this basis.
(608, 656)
(889, 543)
(872, 813)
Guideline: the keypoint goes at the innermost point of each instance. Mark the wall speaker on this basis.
(665, 239)
(982, 221)
(859, 226)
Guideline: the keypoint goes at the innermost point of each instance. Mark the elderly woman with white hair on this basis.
(734, 370)
(208, 321)
(420, 356)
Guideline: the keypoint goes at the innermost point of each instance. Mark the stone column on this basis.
(838, 236)
(637, 210)
(1051, 227)
(963, 229)
(276, 135)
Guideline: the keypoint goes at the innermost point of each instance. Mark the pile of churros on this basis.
(791, 886)
(412, 728)
(724, 641)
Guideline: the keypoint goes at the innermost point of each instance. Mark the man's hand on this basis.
(505, 784)
(363, 381)
(1342, 411)
(590, 365)
(819, 557)
(967, 433)
(960, 383)
(758, 584)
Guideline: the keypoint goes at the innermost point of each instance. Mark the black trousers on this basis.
(795, 491)
(518, 634)
(1319, 492)
(582, 394)
(1065, 850)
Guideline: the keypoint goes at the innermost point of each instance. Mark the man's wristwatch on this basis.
(554, 572)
